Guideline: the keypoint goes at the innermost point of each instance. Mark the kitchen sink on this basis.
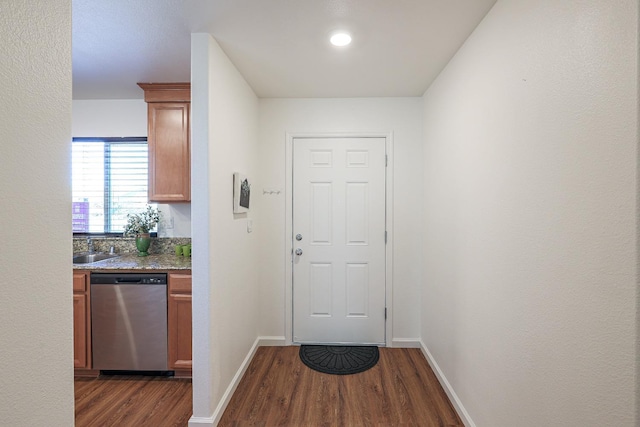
(89, 258)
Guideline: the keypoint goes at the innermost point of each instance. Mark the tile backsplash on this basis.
(123, 245)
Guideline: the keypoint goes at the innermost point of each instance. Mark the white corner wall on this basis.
(36, 387)
(530, 264)
(225, 280)
(399, 116)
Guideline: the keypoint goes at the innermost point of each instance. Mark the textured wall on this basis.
(36, 387)
(529, 294)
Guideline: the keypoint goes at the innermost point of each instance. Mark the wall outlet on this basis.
(249, 225)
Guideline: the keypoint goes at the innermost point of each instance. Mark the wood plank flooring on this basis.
(279, 390)
(138, 401)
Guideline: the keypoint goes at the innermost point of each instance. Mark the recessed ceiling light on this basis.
(340, 39)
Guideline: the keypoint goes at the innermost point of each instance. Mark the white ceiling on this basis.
(280, 46)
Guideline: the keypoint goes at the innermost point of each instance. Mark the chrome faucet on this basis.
(90, 244)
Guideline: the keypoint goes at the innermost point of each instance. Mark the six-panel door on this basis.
(339, 240)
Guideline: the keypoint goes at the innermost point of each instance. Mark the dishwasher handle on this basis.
(128, 280)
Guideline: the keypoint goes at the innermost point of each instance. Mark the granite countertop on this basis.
(134, 262)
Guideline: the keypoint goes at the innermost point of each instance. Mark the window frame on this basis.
(111, 139)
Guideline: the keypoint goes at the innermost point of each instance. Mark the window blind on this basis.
(109, 178)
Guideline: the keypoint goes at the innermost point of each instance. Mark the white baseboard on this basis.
(277, 341)
(406, 343)
(460, 409)
(214, 419)
(226, 397)
(200, 421)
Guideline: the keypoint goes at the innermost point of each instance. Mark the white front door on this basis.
(339, 240)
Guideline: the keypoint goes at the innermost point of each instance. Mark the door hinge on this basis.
(385, 237)
(385, 313)
(386, 160)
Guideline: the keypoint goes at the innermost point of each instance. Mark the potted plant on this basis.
(139, 225)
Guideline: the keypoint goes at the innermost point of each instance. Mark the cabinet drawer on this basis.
(179, 283)
(79, 282)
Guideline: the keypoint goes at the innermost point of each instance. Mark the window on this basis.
(109, 178)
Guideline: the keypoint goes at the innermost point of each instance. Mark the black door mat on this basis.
(339, 360)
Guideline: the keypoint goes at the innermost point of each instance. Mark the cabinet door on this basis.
(80, 353)
(169, 152)
(80, 282)
(180, 283)
(179, 331)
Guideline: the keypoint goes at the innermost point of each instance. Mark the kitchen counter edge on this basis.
(134, 262)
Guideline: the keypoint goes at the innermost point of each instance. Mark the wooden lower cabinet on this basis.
(179, 323)
(81, 322)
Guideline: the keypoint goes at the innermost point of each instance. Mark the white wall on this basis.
(119, 118)
(225, 282)
(36, 387)
(109, 117)
(402, 116)
(529, 293)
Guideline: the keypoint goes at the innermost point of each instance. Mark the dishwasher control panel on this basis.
(152, 281)
(128, 279)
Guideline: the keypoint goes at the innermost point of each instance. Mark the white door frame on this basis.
(288, 294)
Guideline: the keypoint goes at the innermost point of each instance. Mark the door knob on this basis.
(298, 251)
(298, 237)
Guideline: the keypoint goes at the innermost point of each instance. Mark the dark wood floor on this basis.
(279, 390)
(125, 401)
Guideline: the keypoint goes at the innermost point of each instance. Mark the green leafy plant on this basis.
(142, 222)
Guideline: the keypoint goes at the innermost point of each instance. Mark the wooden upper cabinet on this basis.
(169, 109)
(169, 157)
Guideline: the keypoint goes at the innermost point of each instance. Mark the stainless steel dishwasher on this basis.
(129, 321)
